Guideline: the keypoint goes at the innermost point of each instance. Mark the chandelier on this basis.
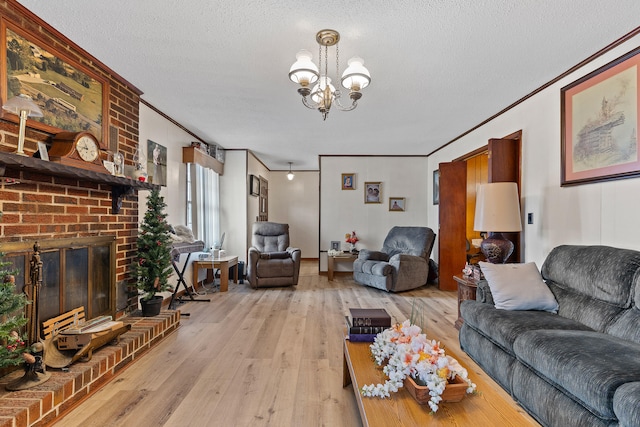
(323, 95)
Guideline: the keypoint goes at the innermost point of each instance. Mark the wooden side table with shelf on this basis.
(332, 260)
(466, 291)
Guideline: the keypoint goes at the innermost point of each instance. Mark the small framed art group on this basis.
(372, 192)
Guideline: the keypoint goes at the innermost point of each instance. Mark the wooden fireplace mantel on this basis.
(120, 186)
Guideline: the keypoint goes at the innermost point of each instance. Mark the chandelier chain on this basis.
(337, 63)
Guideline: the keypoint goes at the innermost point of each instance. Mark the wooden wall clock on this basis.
(78, 149)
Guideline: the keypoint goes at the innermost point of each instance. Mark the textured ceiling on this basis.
(438, 67)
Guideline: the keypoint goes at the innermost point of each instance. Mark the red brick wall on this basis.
(45, 207)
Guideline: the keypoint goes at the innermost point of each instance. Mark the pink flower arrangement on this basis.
(408, 352)
(351, 238)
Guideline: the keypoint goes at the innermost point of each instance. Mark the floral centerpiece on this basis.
(408, 352)
(352, 239)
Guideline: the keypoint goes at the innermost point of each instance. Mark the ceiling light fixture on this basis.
(323, 95)
(290, 175)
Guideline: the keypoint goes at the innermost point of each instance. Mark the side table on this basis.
(466, 290)
(332, 260)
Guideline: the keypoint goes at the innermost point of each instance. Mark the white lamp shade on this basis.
(356, 76)
(22, 103)
(303, 71)
(290, 176)
(497, 208)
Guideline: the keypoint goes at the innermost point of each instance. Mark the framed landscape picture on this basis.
(71, 97)
(599, 120)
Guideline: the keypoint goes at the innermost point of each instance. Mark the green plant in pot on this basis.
(152, 262)
(12, 344)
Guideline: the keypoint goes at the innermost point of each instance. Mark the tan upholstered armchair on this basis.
(271, 261)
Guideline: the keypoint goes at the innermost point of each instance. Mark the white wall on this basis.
(296, 203)
(233, 203)
(344, 211)
(599, 213)
(158, 129)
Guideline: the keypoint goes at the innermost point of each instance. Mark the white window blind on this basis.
(203, 204)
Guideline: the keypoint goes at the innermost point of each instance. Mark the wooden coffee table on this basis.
(488, 408)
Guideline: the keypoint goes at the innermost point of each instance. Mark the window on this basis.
(203, 203)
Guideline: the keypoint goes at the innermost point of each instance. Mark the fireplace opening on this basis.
(75, 272)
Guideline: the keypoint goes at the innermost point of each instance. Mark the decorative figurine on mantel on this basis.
(35, 371)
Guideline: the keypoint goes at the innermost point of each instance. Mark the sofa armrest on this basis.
(483, 293)
(626, 404)
(410, 270)
(252, 264)
(366, 254)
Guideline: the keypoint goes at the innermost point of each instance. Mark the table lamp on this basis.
(497, 211)
(24, 107)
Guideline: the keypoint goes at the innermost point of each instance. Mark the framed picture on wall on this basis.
(348, 181)
(599, 119)
(157, 163)
(396, 204)
(254, 185)
(373, 192)
(436, 187)
(71, 97)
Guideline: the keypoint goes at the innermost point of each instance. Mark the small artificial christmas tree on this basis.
(11, 318)
(152, 263)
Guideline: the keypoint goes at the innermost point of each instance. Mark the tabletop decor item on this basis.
(418, 363)
(352, 239)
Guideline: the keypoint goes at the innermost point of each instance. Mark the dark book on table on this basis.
(370, 317)
(362, 333)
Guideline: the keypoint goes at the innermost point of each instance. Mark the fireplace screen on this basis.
(76, 272)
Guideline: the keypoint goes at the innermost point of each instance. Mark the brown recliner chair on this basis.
(271, 262)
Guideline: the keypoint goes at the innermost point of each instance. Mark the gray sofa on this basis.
(402, 263)
(581, 366)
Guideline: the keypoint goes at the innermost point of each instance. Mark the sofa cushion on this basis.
(275, 268)
(377, 268)
(625, 404)
(502, 327)
(588, 366)
(275, 255)
(518, 287)
(604, 273)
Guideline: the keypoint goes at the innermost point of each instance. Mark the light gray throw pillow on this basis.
(518, 287)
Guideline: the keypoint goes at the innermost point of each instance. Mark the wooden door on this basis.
(452, 216)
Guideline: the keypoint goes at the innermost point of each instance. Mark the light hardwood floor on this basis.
(268, 357)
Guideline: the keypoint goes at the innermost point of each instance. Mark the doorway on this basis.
(458, 181)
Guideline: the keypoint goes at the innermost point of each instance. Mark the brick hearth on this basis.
(41, 405)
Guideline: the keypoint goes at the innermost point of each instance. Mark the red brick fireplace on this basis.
(51, 203)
